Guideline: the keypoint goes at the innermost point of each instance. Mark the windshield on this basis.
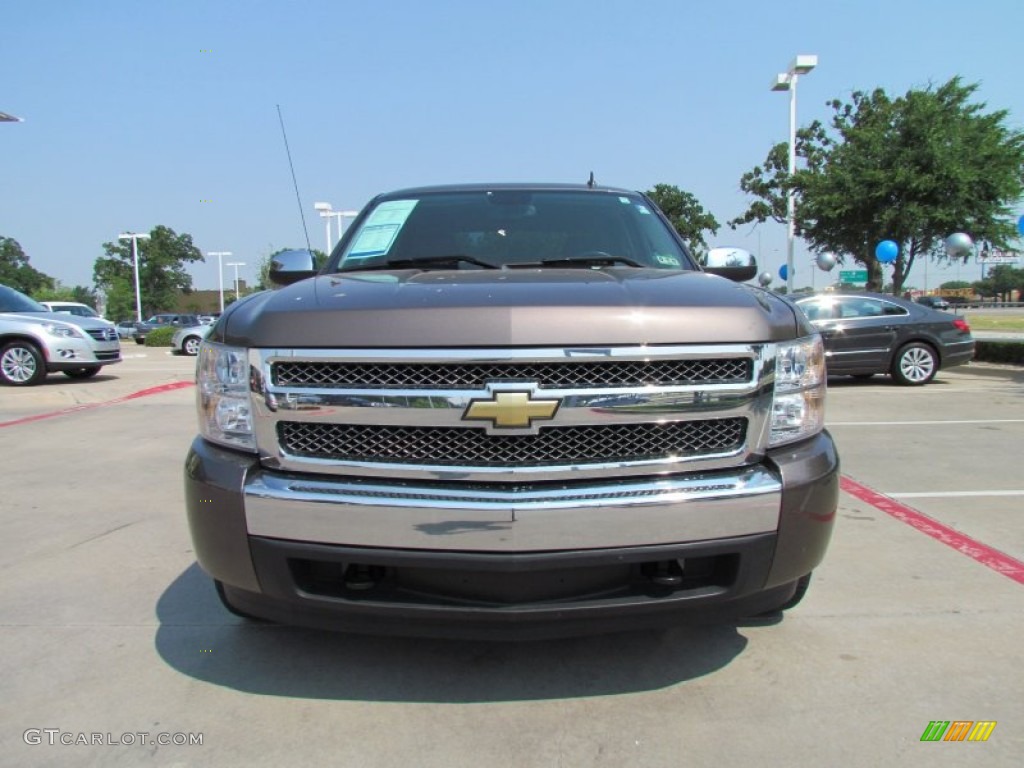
(508, 228)
(15, 301)
(75, 309)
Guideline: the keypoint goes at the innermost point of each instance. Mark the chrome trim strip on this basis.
(504, 355)
(874, 350)
(651, 511)
(548, 473)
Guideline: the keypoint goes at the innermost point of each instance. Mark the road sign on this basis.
(996, 256)
(853, 276)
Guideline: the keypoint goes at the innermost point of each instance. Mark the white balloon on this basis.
(958, 245)
(826, 261)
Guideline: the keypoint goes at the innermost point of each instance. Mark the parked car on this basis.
(869, 333)
(71, 308)
(35, 341)
(186, 340)
(161, 320)
(126, 329)
(935, 302)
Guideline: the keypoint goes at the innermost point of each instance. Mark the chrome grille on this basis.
(548, 375)
(454, 446)
(102, 334)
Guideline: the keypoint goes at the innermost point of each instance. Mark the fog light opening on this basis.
(665, 573)
(360, 578)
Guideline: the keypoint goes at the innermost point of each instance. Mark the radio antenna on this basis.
(294, 181)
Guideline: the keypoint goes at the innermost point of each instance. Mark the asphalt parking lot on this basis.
(108, 627)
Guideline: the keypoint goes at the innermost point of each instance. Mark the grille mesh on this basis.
(102, 334)
(549, 375)
(454, 446)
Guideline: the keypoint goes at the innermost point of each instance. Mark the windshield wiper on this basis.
(426, 262)
(585, 260)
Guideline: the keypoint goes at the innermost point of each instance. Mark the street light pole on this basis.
(341, 216)
(220, 274)
(786, 81)
(135, 237)
(325, 214)
(236, 265)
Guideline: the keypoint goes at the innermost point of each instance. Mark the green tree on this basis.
(955, 285)
(687, 215)
(60, 292)
(162, 270)
(121, 299)
(1002, 280)
(913, 169)
(16, 272)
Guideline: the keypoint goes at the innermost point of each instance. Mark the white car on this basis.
(35, 342)
(72, 308)
(186, 340)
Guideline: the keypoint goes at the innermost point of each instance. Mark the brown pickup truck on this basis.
(511, 411)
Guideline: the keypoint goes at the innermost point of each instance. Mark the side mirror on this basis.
(289, 267)
(732, 263)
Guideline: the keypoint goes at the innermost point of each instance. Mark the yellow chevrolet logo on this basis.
(511, 410)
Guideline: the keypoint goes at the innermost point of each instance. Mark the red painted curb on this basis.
(89, 406)
(1000, 562)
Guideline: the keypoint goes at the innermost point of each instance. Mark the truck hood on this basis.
(518, 307)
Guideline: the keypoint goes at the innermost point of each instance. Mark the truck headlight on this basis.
(222, 392)
(798, 407)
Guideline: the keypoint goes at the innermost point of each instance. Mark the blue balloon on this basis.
(784, 272)
(1020, 225)
(887, 251)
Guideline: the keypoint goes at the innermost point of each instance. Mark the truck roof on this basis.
(509, 186)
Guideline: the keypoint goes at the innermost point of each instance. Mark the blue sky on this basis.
(136, 113)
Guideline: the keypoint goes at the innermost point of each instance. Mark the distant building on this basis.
(205, 302)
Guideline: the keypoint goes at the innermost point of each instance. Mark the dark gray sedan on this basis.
(869, 333)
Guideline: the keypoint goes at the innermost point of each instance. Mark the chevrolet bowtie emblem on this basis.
(511, 410)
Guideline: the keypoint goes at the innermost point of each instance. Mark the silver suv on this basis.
(35, 342)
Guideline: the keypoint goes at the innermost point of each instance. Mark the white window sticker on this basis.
(643, 209)
(381, 228)
(667, 259)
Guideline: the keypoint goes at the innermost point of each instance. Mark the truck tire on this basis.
(801, 589)
(222, 595)
(21, 364)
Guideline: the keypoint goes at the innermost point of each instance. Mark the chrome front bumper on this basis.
(527, 518)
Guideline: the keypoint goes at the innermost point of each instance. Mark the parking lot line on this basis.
(89, 406)
(921, 423)
(965, 545)
(947, 494)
